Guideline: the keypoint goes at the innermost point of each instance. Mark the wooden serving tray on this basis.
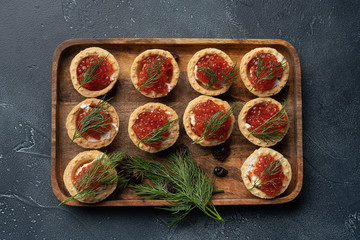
(126, 98)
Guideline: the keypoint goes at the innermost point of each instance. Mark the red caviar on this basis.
(272, 183)
(148, 121)
(102, 74)
(94, 132)
(83, 171)
(217, 63)
(203, 111)
(161, 84)
(270, 61)
(260, 113)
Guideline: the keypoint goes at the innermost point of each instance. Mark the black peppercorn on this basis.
(137, 178)
(220, 171)
(169, 186)
(221, 152)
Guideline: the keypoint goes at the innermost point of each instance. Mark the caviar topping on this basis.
(214, 72)
(94, 73)
(147, 122)
(268, 175)
(204, 121)
(264, 70)
(155, 74)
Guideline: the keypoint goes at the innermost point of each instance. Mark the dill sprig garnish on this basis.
(269, 131)
(153, 72)
(192, 187)
(157, 134)
(93, 120)
(268, 72)
(228, 77)
(215, 122)
(267, 172)
(89, 74)
(99, 175)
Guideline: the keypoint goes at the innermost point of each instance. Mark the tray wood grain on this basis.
(126, 99)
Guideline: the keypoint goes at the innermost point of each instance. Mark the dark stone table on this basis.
(326, 35)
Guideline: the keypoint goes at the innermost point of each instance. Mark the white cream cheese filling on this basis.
(112, 77)
(192, 118)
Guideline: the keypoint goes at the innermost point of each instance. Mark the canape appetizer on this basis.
(208, 121)
(93, 123)
(211, 72)
(266, 173)
(154, 73)
(263, 121)
(264, 71)
(94, 72)
(90, 176)
(153, 127)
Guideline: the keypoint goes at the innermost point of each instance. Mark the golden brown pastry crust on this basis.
(245, 75)
(70, 170)
(93, 51)
(174, 130)
(191, 71)
(250, 162)
(187, 120)
(135, 69)
(71, 125)
(242, 121)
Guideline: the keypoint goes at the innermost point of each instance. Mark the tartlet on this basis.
(74, 169)
(154, 84)
(95, 138)
(102, 80)
(264, 57)
(145, 119)
(274, 181)
(209, 106)
(219, 61)
(255, 113)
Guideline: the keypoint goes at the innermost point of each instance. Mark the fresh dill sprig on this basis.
(267, 172)
(215, 122)
(99, 175)
(89, 74)
(228, 77)
(93, 120)
(153, 72)
(269, 131)
(192, 187)
(268, 72)
(157, 134)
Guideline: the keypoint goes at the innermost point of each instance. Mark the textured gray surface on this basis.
(326, 35)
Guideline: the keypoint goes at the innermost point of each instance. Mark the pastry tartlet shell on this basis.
(135, 69)
(242, 120)
(187, 121)
(245, 75)
(71, 125)
(191, 74)
(286, 168)
(70, 170)
(174, 130)
(93, 51)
